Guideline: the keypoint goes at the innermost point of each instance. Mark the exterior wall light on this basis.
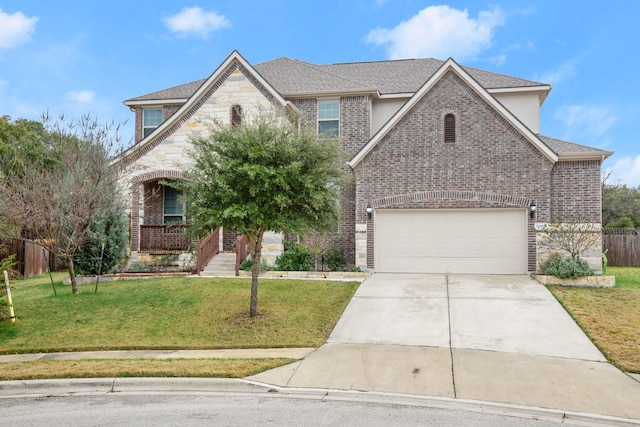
(369, 210)
(532, 209)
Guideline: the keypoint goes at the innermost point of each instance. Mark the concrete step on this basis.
(221, 265)
(218, 273)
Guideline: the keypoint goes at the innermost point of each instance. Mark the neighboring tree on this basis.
(59, 196)
(620, 206)
(263, 175)
(111, 230)
(574, 236)
(22, 142)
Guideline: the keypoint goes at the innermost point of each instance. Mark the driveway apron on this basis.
(479, 337)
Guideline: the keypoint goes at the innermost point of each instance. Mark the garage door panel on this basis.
(490, 241)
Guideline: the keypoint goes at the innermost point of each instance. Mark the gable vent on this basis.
(449, 128)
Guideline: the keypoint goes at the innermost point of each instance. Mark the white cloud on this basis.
(625, 171)
(563, 72)
(15, 29)
(498, 60)
(81, 96)
(586, 123)
(439, 32)
(197, 22)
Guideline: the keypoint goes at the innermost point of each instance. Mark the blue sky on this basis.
(83, 56)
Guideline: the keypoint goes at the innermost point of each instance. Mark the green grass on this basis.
(610, 317)
(172, 313)
(120, 368)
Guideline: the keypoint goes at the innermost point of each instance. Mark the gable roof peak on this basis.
(450, 65)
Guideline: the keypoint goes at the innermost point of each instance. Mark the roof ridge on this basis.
(503, 75)
(385, 60)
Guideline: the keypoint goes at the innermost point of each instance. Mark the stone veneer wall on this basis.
(491, 165)
(166, 155)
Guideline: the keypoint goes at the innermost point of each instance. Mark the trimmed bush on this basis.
(247, 265)
(565, 268)
(294, 258)
(335, 260)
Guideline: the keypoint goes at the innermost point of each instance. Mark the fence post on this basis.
(9, 300)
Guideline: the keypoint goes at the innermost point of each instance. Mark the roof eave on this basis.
(147, 102)
(330, 93)
(586, 155)
(542, 90)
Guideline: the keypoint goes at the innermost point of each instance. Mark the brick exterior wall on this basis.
(229, 237)
(489, 166)
(355, 125)
(576, 190)
(153, 207)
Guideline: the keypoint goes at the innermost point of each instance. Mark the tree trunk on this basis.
(72, 276)
(255, 271)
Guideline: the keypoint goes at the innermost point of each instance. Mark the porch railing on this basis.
(241, 247)
(207, 249)
(165, 237)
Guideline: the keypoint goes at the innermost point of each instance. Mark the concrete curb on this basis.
(71, 387)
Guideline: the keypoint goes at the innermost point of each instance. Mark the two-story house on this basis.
(450, 171)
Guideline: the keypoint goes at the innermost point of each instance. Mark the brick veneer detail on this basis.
(491, 165)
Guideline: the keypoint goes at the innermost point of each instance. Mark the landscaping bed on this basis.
(584, 282)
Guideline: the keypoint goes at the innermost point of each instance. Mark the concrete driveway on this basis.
(513, 314)
(489, 338)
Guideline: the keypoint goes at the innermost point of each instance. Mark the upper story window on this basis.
(449, 128)
(329, 118)
(236, 115)
(173, 207)
(151, 119)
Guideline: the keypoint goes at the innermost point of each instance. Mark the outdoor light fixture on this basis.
(532, 209)
(369, 210)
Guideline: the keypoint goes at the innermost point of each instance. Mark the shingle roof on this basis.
(561, 147)
(292, 76)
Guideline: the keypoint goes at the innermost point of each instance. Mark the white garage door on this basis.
(480, 241)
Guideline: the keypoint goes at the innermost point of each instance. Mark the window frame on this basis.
(179, 204)
(329, 119)
(148, 129)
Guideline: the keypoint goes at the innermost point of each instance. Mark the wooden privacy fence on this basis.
(622, 250)
(29, 257)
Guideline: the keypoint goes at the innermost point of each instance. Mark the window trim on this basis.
(150, 128)
(319, 120)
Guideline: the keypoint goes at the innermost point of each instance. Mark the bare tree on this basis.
(317, 242)
(58, 201)
(574, 236)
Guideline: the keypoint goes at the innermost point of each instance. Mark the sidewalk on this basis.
(250, 353)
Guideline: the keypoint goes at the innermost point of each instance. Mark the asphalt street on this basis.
(223, 410)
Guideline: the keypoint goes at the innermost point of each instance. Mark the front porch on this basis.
(165, 238)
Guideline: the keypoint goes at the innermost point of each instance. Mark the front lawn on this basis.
(609, 316)
(172, 313)
(169, 313)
